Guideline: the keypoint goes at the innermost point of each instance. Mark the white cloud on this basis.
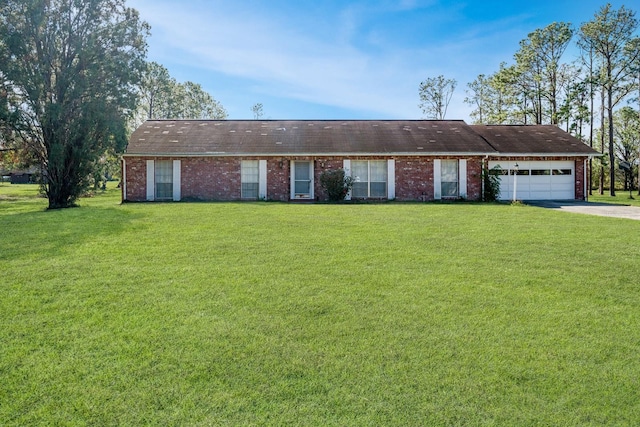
(331, 60)
(290, 62)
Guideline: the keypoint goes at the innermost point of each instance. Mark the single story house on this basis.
(408, 160)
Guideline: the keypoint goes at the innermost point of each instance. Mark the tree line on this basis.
(590, 97)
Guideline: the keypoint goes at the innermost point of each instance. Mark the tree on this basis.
(632, 50)
(627, 140)
(435, 95)
(608, 34)
(155, 90)
(70, 68)
(479, 96)
(587, 58)
(162, 97)
(574, 109)
(539, 58)
(257, 111)
(505, 104)
(193, 102)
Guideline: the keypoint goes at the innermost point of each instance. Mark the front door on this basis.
(302, 180)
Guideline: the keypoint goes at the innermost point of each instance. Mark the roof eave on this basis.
(289, 154)
(556, 154)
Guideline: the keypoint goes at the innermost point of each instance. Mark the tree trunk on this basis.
(612, 156)
(590, 176)
(601, 183)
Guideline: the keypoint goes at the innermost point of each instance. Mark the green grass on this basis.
(621, 198)
(287, 314)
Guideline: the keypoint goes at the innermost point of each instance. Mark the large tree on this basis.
(162, 97)
(193, 102)
(627, 140)
(539, 60)
(633, 50)
(155, 90)
(435, 95)
(609, 34)
(69, 68)
(479, 94)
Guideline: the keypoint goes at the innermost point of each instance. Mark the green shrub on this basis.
(491, 178)
(336, 184)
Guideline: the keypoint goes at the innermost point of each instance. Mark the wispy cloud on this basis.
(365, 56)
(327, 70)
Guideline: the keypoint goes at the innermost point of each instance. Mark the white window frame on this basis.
(250, 174)
(461, 176)
(357, 179)
(449, 181)
(175, 180)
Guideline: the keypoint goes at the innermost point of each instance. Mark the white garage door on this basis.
(537, 180)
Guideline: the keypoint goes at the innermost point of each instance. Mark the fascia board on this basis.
(224, 154)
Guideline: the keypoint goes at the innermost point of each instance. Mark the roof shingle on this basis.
(531, 139)
(345, 137)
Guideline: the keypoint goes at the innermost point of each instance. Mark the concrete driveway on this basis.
(590, 208)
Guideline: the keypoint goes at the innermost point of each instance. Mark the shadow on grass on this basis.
(50, 232)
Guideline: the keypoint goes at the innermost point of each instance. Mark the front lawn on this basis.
(296, 314)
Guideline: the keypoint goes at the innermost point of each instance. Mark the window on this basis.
(164, 179)
(249, 179)
(449, 178)
(370, 178)
(562, 171)
(539, 172)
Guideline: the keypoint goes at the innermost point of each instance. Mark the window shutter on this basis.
(346, 165)
(176, 181)
(262, 180)
(462, 178)
(391, 179)
(151, 180)
(437, 180)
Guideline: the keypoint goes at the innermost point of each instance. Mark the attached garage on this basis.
(536, 180)
(551, 163)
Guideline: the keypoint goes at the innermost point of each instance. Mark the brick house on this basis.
(408, 160)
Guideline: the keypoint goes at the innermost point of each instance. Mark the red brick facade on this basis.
(219, 178)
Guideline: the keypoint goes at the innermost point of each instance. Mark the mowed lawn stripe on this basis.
(287, 314)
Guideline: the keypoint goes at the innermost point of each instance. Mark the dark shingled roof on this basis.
(304, 137)
(345, 137)
(532, 139)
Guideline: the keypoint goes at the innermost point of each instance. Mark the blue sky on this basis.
(342, 59)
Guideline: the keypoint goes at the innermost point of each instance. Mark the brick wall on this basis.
(414, 178)
(580, 179)
(278, 186)
(136, 175)
(218, 178)
(210, 178)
